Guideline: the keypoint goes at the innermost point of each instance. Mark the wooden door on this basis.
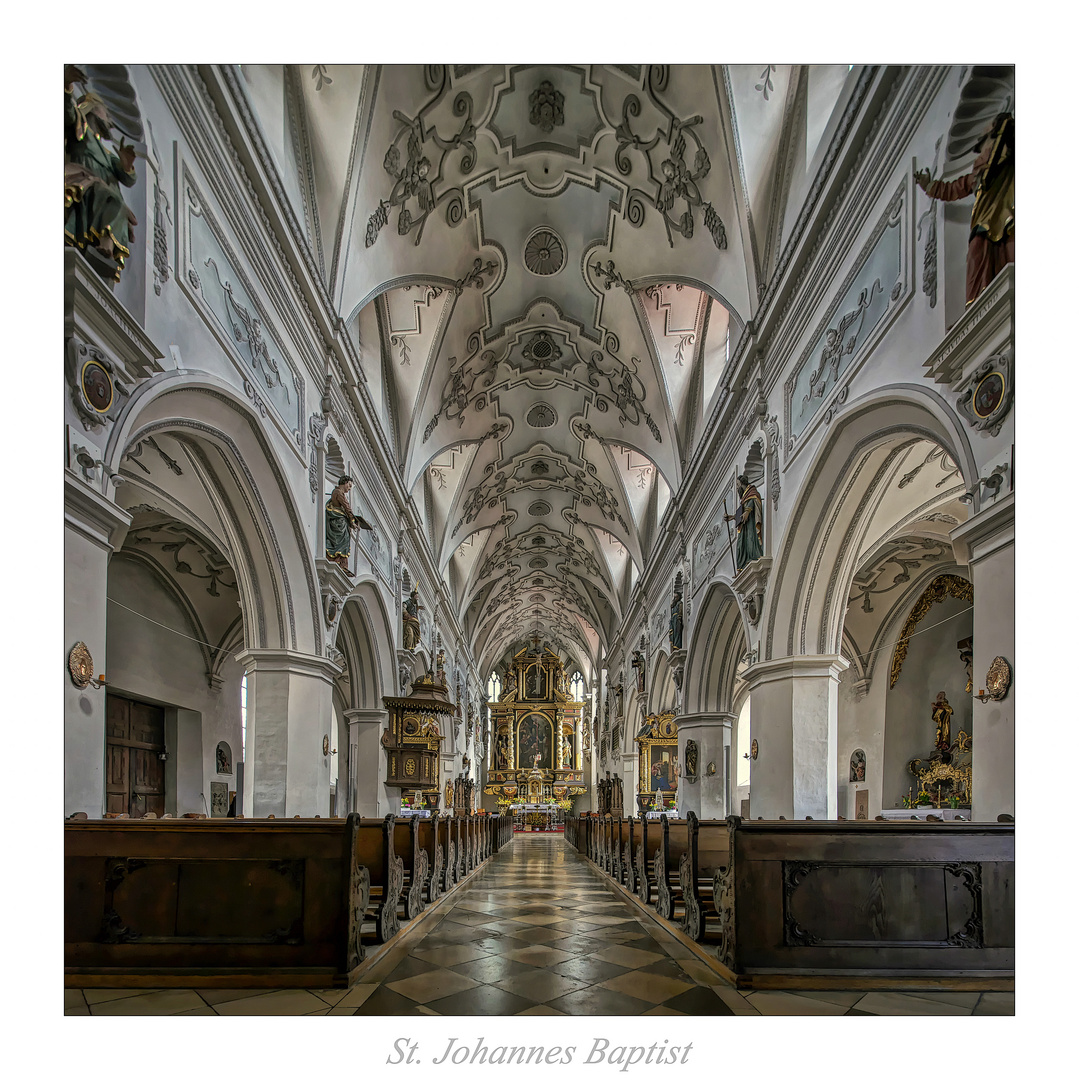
(134, 774)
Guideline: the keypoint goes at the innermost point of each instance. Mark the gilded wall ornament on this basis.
(998, 679)
(80, 665)
(937, 590)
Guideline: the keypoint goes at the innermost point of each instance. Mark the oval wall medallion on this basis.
(97, 386)
(753, 748)
(80, 665)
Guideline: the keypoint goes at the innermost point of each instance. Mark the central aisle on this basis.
(537, 933)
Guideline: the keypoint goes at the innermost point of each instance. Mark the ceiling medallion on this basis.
(540, 468)
(546, 107)
(539, 508)
(538, 564)
(544, 254)
(537, 598)
(540, 416)
(542, 350)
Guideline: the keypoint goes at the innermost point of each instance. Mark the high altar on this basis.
(535, 751)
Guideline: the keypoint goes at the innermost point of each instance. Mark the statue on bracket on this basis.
(340, 521)
(96, 218)
(942, 717)
(411, 616)
(638, 666)
(991, 181)
(750, 523)
(674, 627)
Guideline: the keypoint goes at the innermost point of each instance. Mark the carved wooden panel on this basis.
(912, 904)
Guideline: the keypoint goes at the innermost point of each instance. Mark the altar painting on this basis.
(662, 773)
(535, 739)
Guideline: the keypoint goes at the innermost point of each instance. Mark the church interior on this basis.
(539, 540)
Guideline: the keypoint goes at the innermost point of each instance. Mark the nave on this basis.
(536, 931)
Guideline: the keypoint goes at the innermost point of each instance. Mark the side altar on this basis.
(536, 725)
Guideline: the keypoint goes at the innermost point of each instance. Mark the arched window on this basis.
(494, 687)
(243, 717)
(576, 686)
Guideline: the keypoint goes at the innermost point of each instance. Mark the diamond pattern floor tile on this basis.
(433, 985)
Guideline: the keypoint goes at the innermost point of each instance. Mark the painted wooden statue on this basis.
(95, 214)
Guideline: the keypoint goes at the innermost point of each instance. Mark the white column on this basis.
(365, 727)
(289, 712)
(93, 528)
(708, 797)
(987, 543)
(794, 718)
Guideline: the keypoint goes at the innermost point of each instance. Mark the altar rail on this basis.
(824, 903)
(254, 902)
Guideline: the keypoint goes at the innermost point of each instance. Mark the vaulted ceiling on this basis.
(545, 268)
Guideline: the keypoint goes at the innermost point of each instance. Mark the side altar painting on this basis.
(657, 761)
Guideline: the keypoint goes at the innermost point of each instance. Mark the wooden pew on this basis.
(220, 901)
(867, 903)
(629, 870)
(673, 848)
(387, 877)
(436, 856)
(617, 840)
(710, 853)
(449, 853)
(460, 836)
(414, 862)
(644, 858)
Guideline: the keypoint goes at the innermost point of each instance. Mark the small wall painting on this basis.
(219, 798)
(857, 767)
(224, 759)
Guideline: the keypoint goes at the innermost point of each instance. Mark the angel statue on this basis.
(95, 214)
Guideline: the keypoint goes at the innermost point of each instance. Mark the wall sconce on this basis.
(80, 666)
(998, 680)
(162, 755)
(326, 751)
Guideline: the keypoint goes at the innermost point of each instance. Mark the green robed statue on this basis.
(340, 521)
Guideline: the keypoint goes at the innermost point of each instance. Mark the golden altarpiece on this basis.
(535, 748)
(413, 736)
(657, 762)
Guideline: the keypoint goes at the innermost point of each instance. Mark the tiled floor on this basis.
(536, 933)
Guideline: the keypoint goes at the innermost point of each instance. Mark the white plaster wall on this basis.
(932, 664)
(84, 710)
(861, 727)
(149, 661)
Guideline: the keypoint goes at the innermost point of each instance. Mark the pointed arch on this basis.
(846, 483)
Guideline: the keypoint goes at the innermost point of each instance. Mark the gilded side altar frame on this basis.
(662, 731)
